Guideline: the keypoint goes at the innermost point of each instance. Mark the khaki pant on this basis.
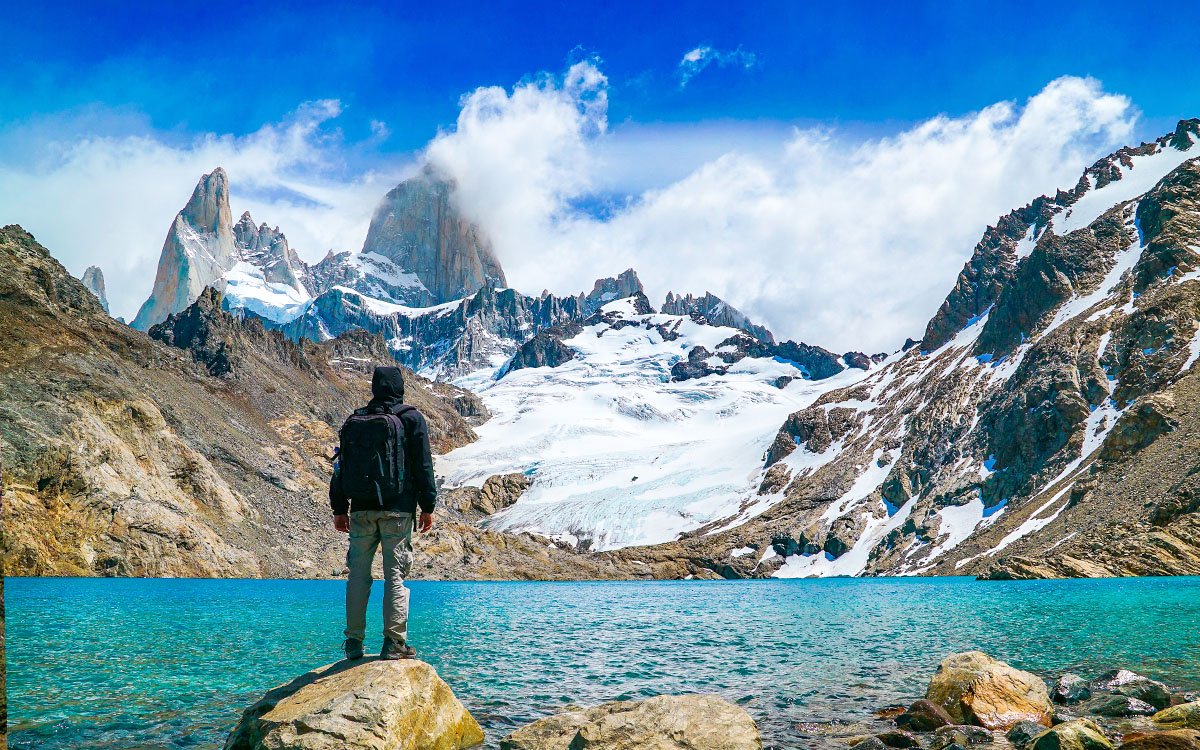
(393, 531)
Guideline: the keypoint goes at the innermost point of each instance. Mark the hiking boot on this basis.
(353, 648)
(393, 650)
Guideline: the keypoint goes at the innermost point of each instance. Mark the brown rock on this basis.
(371, 705)
(974, 688)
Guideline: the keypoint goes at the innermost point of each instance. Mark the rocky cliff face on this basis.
(207, 456)
(420, 229)
(198, 250)
(93, 279)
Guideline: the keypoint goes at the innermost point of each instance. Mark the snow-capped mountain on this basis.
(1022, 437)
(197, 252)
(252, 265)
(621, 447)
(419, 252)
(1046, 425)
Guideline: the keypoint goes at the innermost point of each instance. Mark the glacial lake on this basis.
(102, 664)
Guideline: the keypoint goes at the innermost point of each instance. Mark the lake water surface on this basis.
(128, 663)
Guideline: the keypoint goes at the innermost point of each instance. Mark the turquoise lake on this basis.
(132, 663)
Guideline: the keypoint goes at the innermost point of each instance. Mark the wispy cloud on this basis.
(847, 243)
(696, 60)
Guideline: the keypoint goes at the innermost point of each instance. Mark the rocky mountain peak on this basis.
(627, 284)
(418, 227)
(716, 311)
(198, 250)
(267, 248)
(1037, 232)
(93, 279)
(208, 208)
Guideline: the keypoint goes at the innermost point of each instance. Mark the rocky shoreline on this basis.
(972, 701)
(975, 700)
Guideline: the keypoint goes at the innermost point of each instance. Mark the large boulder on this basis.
(665, 722)
(1080, 734)
(1184, 716)
(974, 688)
(361, 705)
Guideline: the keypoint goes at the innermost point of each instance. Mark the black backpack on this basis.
(372, 455)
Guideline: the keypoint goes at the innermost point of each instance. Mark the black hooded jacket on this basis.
(420, 487)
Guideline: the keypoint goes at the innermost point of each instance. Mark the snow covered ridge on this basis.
(1004, 247)
(618, 452)
(962, 457)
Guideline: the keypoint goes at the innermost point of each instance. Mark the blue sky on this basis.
(791, 132)
(227, 68)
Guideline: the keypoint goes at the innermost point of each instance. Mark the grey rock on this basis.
(1133, 685)
(1070, 688)
(93, 279)
(1120, 706)
(419, 227)
(1023, 733)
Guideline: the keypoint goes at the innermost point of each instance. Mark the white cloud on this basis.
(846, 245)
(850, 244)
(696, 60)
(110, 200)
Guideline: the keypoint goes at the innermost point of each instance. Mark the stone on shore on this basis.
(1024, 732)
(974, 688)
(1080, 734)
(923, 716)
(1070, 688)
(1173, 739)
(1133, 685)
(665, 722)
(1184, 716)
(363, 705)
(1120, 706)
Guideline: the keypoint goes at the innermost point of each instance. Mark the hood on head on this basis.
(387, 384)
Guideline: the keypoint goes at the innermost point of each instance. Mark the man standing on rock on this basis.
(384, 472)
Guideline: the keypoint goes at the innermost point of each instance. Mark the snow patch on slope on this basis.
(246, 288)
(617, 453)
(1145, 173)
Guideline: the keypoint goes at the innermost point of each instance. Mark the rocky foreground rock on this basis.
(665, 722)
(974, 688)
(404, 705)
(372, 705)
